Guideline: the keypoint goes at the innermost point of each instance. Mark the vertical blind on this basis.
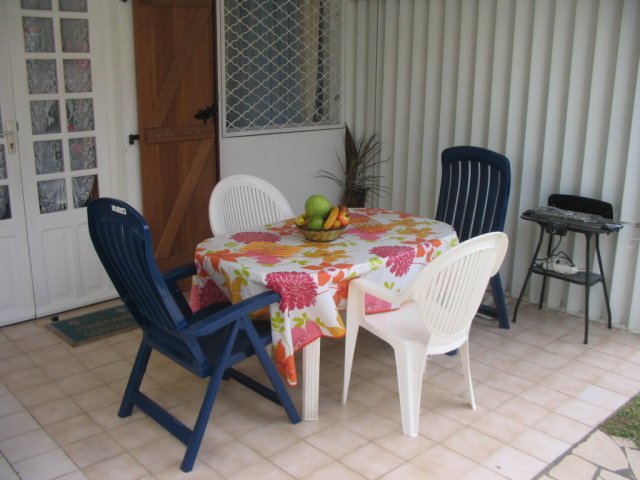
(551, 84)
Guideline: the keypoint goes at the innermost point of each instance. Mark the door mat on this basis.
(93, 326)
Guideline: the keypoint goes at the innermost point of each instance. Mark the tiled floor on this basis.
(539, 392)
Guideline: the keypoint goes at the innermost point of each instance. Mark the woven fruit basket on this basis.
(321, 235)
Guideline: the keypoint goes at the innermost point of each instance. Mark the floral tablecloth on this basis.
(312, 277)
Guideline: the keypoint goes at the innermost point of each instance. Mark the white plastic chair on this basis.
(241, 202)
(434, 317)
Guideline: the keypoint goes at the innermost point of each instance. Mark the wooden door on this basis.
(175, 75)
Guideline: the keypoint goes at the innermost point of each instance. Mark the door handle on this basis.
(9, 135)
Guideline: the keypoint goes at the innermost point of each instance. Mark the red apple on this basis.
(343, 215)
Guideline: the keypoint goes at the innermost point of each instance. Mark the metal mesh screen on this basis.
(282, 64)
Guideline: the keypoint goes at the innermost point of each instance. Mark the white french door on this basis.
(61, 160)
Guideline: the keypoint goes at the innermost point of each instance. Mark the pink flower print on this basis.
(303, 336)
(250, 237)
(210, 293)
(399, 259)
(297, 289)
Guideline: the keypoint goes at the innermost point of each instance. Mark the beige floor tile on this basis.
(540, 445)
(48, 465)
(301, 459)
(122, 467)
(263, 470)
(514, 464)
(336, 441)
(499, 426)
(27, 445)
(370, 425)
(91, 450)
(51, 354)
(55, 411)
(40, 394)
(533, 401)
(583, 412)
(9, 404)
(472, 444)
(96, 398)
(372, 461)
(407, 471)
(603, 398)
(563, 428)
(160, 455)
(138, 433)
(73, 429)
(443, 463)
(63, 368)
(39, 341)
(270, 439)
(523, 411)
(79, 382)
(17, 423)
(404, 446)
(544, 396)
(338, 471)
(9, 349)
(25, 379)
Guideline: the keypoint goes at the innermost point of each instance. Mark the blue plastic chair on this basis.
(474, 195)
(207, 343)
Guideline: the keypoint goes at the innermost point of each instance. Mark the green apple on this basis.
(317, 205)
(315, 223)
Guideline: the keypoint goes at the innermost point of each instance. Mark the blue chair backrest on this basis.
(474, 190)
(122, 240)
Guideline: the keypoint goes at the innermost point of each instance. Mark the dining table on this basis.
(312, 278)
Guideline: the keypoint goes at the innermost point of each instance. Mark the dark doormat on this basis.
(93, 326)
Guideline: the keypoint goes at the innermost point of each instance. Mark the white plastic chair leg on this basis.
(466, 369)
(410, 362)
(349, 350)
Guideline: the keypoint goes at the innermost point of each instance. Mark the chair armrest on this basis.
(367, 286)
(171, 279)
(178, 273)
(212, 318)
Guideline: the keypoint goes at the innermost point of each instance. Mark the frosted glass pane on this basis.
(38, 34)
(52, 195)
(77, 75)
(41, 76)
(45, 116)
(83, 187)
(73, 5)
(79, 115)
(83, 153)
(48, 156)
(35, 4)
(3, 164)
(5, 204)
(75, 34)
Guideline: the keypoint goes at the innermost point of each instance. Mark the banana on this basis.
(331, 218)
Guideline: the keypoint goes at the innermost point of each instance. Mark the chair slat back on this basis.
(449, 290)
(122, 240)
(474, 190)
(242, 202)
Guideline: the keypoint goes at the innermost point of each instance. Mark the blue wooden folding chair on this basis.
(474, 195)
(207, 343)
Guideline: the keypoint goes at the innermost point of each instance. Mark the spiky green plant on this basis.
(360, 167)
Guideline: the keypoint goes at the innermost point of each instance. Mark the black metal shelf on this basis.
(579, 278)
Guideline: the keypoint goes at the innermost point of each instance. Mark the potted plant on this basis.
(360, 175)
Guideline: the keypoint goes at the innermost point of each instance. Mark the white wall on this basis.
(290, 161)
